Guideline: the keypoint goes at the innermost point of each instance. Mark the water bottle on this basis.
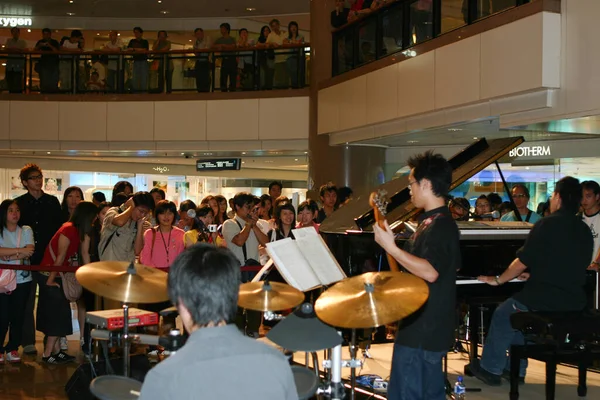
(459, 389)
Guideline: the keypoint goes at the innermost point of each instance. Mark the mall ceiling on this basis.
(154, 8)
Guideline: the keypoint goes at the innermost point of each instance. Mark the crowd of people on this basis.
(243, 69)
(142, 226)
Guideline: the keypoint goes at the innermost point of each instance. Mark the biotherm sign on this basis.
(531, 151)
(10, 22)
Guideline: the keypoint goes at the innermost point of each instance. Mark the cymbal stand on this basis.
(126, 343)
(335, 389)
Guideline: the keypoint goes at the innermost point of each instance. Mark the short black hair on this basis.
(163, 31)
(28, 169)
(226, 26)
(241, 199)
(279, 209)
(162, 193)
(483, 197)
(520, 185)
(206, 280)
(462, 203)
(310, 205)
(4, 213)
(495, 200)
(275, 183)
(46, 30)
(198, 30)
(591, 185)
(143, 199)
(274, 20)
(242, 30)
(76, 33)
(570, 192)
(433, 167)
(119, 199)
(202, 211)
(505, 207)
(139, 29)
(329, 187)
(187, 205)
(15, 28)
(164, 206)
(102, 206)
(344, 193)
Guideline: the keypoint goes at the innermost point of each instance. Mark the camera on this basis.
(212, 228)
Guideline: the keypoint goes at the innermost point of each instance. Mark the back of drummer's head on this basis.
(206, 280)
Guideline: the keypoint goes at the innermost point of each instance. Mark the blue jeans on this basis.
(417, 374)
(500, 337)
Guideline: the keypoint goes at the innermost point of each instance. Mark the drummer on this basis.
(204, 285)
(433, 254)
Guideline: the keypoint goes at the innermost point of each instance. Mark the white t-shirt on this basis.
(112, 63)
(229, 230)
(594, 223)
(9, 240)
(278, 39)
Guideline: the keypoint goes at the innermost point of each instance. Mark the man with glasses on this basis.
(122, 236)
(433, 254)
(520, 195)
(43, 214)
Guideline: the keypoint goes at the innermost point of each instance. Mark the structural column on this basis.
(359, 167)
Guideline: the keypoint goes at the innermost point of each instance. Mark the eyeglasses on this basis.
(35, 177)
(519, 196)
(412, 183)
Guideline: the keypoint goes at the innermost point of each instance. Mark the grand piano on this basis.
(486, 248)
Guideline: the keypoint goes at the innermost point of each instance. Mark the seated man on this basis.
(217, 361)
(557, 253)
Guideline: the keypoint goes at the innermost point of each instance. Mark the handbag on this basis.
(71, 287)
(8, 277)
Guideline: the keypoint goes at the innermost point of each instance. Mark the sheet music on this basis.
(292, 265)
(320, 259)
(303, 232)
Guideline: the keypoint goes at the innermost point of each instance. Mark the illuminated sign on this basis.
(531, 151)
(161, 170)
(231, 164)
(6, 22)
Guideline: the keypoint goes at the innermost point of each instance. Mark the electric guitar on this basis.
(379, 202)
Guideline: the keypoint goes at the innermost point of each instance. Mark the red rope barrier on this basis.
(38, 268)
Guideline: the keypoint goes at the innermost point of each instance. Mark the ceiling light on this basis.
(97, 34)
(29, 30)
(189, 40)
(71, 1)
(306, 152)
(243, 152)
(454, 129)
(474, 137)
(295, 159)
(3, 64)
(70, 14)
(412, 141)
(118, 34)
(48, 152)
(243, 162)
(164, 12)
(159, 1)
(250, 9)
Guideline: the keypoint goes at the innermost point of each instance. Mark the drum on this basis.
(115, 387)
(306, 381)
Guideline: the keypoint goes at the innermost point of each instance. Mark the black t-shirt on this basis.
(437, 241)
(44, 216)
(44, 45)
(279, 235)
(321, 216)
(557, 252)
(340, 19)
(139, 44)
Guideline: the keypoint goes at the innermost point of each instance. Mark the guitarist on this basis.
(433, 254)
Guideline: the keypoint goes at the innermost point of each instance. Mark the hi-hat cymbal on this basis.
(269, 296)
(123, 281)
(371, 299)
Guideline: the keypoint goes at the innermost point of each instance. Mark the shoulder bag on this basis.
(71, 287)
(8, 277)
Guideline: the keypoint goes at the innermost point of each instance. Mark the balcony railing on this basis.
(398, 25)
(242, 69)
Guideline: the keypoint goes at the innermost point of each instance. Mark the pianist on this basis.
(433, 254)
(556, 253)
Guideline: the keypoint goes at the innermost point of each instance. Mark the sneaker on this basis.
(64, 345)
(13, 357)
(253, 335)
(506, 375)
(52, 359)
(64, 357)
(30, 349)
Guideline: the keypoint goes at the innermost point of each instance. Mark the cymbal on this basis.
(124, 281)
(371, 299)
(269, 296)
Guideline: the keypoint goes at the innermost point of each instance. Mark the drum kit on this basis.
(365, 301)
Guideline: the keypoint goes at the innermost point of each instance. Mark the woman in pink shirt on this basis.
(164, 242)
(307, 214)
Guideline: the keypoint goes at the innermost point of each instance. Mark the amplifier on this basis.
(113, 319)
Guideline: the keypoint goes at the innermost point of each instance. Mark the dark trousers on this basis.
(28, 319)
(165, 76)
(114, 80)
(416, 374)
(14, 81)
(202, 75)
(228, 72)
(49, 75)
(12, 312)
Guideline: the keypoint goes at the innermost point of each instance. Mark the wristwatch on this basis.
(497, 280)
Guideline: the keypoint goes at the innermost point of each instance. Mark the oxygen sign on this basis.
(530, 151)
(6, 22)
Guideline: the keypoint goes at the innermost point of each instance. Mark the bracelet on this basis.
(497, 280)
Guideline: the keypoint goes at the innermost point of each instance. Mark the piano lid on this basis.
(358, 215)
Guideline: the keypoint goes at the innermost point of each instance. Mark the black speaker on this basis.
(78, 386)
